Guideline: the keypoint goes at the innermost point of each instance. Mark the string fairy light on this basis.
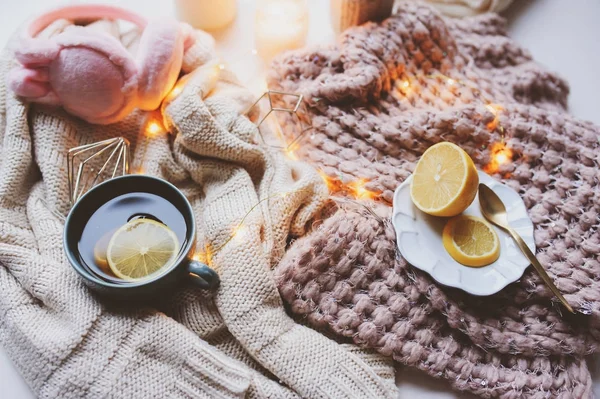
(500, 155)
(357, 188)
(495, 123)
(153, 128)
(201, 256)
(241, 229)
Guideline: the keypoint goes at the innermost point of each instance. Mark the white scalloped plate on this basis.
(419, 239)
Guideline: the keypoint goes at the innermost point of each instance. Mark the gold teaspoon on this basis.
(494, 210)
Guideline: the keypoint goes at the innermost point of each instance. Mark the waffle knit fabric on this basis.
(235, 343)
(347, 278)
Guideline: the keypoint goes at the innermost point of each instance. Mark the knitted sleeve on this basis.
(225, 163)
(67, 342)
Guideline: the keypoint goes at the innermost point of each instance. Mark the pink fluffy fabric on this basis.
(93, 76)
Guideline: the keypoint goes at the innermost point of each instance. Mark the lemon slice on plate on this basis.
(445, 181)
(471, 241)
(140, 248)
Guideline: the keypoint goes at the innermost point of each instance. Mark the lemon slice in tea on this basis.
(141, 248)
(100, 250)
(471, 241)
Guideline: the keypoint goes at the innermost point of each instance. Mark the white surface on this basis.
(563, 35)
(416, 230)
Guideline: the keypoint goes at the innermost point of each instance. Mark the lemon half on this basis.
(141, 248)
(445, 181)
(471, 241)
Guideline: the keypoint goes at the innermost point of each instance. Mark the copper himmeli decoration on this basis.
(91, 164)
(292, 112)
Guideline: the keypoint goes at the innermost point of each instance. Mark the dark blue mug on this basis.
(166, 282)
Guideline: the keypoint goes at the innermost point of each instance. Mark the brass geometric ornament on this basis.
(91, 164)
(274, 107)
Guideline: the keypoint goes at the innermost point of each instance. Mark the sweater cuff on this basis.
(207, 373)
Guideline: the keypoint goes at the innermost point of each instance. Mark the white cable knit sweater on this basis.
(238, 342)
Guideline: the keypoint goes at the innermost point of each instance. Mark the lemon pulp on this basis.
(141, 248)
(471, 241)
(445, 180)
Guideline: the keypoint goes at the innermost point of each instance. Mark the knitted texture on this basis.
(377, 102)
(237, 342)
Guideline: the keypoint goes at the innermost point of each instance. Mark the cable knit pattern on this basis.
(347, 277)
(237, 342)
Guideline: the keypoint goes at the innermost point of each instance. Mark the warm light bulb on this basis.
(404, 87)
(501, 158)
(330, 184)
(176, 91)
(199, 256)
(239, 231)
(203, 256)
(494, 109)
(500, 155)
(290, 149)
(153, 128)
(359, 191)
(221, 66)
(451, 82)
(290, 154)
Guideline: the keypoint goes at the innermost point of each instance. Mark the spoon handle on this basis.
(539, 268)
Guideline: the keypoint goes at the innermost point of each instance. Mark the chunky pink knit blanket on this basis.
(377, 101)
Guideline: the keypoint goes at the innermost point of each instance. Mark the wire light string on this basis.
(355, 191)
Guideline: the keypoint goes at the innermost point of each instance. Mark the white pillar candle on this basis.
(280, 25)
(206, 14)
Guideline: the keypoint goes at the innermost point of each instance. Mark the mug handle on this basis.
(202, 275)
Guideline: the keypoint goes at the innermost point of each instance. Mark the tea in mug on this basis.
(132, 237)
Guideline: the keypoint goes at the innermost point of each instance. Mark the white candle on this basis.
(280, 25)
(206, 14)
